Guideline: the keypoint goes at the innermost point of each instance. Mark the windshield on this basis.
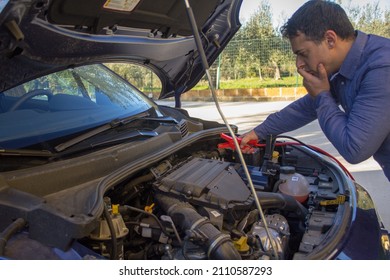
(65, 103)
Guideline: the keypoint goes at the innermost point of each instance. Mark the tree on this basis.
(369, 18)
(260, 23)
(138, 75)
(259, 28)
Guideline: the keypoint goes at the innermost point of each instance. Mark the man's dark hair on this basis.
(315, 17)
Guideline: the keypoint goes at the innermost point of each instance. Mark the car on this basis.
(92, 168)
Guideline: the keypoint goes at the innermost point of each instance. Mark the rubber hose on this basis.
(281, 201)
(218, 245)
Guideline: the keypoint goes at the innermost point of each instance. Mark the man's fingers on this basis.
(303, 73)
(315, 83)
(323, 75)
(248, 137)
(243, 142)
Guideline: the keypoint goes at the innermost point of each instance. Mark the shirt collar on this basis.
(334, 76)
(352, 60)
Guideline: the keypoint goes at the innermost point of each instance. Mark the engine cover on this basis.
(207, 182)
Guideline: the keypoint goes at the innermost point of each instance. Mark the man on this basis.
(339, 66)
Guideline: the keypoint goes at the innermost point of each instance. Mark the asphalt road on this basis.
(246, 115)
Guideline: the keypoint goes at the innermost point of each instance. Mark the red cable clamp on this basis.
(229, 144)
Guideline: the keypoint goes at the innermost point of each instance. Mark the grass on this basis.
(253, 83)
(244, 84)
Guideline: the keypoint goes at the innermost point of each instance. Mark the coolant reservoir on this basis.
(293, 184)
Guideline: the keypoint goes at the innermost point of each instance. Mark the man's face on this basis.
(309, 54)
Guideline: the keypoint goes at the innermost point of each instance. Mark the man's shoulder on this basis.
(377, 50)
(375, 41)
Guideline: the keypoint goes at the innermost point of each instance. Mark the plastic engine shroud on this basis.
(207, 182)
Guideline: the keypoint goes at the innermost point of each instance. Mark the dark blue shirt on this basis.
(361, 127)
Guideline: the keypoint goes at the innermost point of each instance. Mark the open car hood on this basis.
(39, 37)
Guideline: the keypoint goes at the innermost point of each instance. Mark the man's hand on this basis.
(315, 84)
(251, 135)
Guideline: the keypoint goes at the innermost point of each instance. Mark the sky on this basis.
(283, 9)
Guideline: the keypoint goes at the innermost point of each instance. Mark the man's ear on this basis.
(330, 38)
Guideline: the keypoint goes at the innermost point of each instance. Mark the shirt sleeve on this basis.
(293, 116)
(358, 135)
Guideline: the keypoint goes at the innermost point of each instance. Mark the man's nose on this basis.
(299, 63)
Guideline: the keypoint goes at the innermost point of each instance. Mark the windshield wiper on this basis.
(131, 135)
(113, 124)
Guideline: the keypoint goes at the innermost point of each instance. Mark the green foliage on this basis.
(140, 76)
(369, 18)
(294, 81)
(261, 58)
(260, 23)
(257, 50)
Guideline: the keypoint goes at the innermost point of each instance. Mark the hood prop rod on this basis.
(202, 54)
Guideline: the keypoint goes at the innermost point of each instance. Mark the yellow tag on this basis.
(339, 200)
(115, 209)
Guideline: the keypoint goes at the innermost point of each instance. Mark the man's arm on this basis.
(293, 116)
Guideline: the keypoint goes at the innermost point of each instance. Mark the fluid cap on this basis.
(287, 169)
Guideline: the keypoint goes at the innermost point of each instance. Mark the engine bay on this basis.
(198, 206)
(193, 203)
(209, 213)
